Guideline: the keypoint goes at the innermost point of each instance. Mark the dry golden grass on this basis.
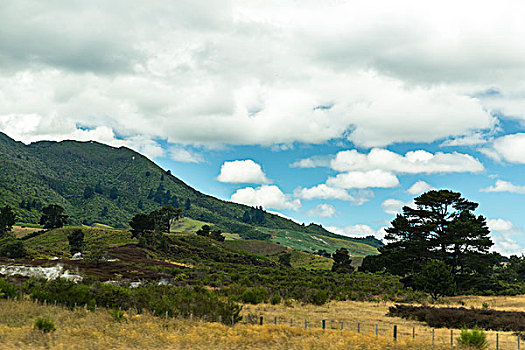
(369, 314)
(81, 329)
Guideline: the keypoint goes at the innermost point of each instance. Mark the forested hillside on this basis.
(97, 183)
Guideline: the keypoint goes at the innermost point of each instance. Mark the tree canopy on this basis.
(53, 217)
(7, 220)
(441, 227)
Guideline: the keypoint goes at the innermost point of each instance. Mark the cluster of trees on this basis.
(164, 197)
(149, 228)
(206, 231)
(254, 216)
(440, 242)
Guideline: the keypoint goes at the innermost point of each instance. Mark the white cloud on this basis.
(324, 191)
(363, 179)
(359, 230)
(509, 148)
(242, 171)
(392, 206)
(180, 154)
(504, 186)
(467, 140)
(502, 233)
(419, 187)
(322, 210)
(268, 196)
(368, 73)
(412, 162)
(499, 225)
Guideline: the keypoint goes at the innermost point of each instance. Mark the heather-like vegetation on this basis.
(449, 317)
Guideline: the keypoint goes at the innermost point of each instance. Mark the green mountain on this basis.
(97, 183)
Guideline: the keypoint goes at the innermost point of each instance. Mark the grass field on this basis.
(365, 316)
(187, 225)
(81, 329)
(312, 243)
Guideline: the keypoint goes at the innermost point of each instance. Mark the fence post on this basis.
(376, 330)
(497, 341)
(395, 332)
(166, 314)
(432, 336)
(305, 324)
(261, 321)
(324, 323)
(518, 342)
(341, 327)
(358, 327)
(205, 317)
(220, 319)
(451, 337)
(413, 333)
(275, 321)
(291, 322)
(233, 321)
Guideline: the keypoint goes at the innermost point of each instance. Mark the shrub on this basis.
(254, 295)
(276, 299)
(473, 338)
(118, 315)
(44, 324)
(7, 290)
(13, 249)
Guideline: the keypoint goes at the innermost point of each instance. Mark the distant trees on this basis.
(285, 259)
(113, 193)
(254, 216)
(217, 235)
(53, 217)
(148, 228)
(76, 241)
(7, 220)
(13, 249)
(204, 231)
(342, 261)
(89, 192)
(442, 227)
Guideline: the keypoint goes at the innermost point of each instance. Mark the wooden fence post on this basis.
(395, 332)
(377, 330)
(451, 337)
(323, 323)
(432, 336)
(261, 321)
(358, 327)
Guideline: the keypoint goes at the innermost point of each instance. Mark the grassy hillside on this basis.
(97, 183)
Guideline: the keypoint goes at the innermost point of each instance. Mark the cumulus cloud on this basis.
(412, 162)
(242, 171)
(180, 154)
(324, 191)
(267, 196)
(363, 179)
(504, 186)
(354, 81)
(502, 233)
(392, 206)
(499, 225)
(419, 187)
(322, 210)
(359, 230)
(509, 148)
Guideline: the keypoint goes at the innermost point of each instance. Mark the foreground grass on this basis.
(366, 315)
(81, 329)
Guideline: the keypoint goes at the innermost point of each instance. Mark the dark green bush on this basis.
(13, 249)
(7, 290)
(473, 338)
(44, 324)
(254, 295)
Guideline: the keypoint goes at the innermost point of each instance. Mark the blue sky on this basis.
(336, 112)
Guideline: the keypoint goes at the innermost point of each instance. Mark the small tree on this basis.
(285, 259)
(89, 192)
(204, 231)
(7, 220)
(436, 278)
(217, 235)
(342, 261)
(13, 249)
(76, 241)
(53, 217)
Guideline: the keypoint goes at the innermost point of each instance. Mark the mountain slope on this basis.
(98, 183)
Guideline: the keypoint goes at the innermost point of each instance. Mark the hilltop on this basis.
(97, 183)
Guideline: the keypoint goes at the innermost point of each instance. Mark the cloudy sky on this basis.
(333, 111)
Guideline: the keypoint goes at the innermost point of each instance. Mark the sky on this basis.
(335, 112)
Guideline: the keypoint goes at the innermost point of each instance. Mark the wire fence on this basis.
(434, 336)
